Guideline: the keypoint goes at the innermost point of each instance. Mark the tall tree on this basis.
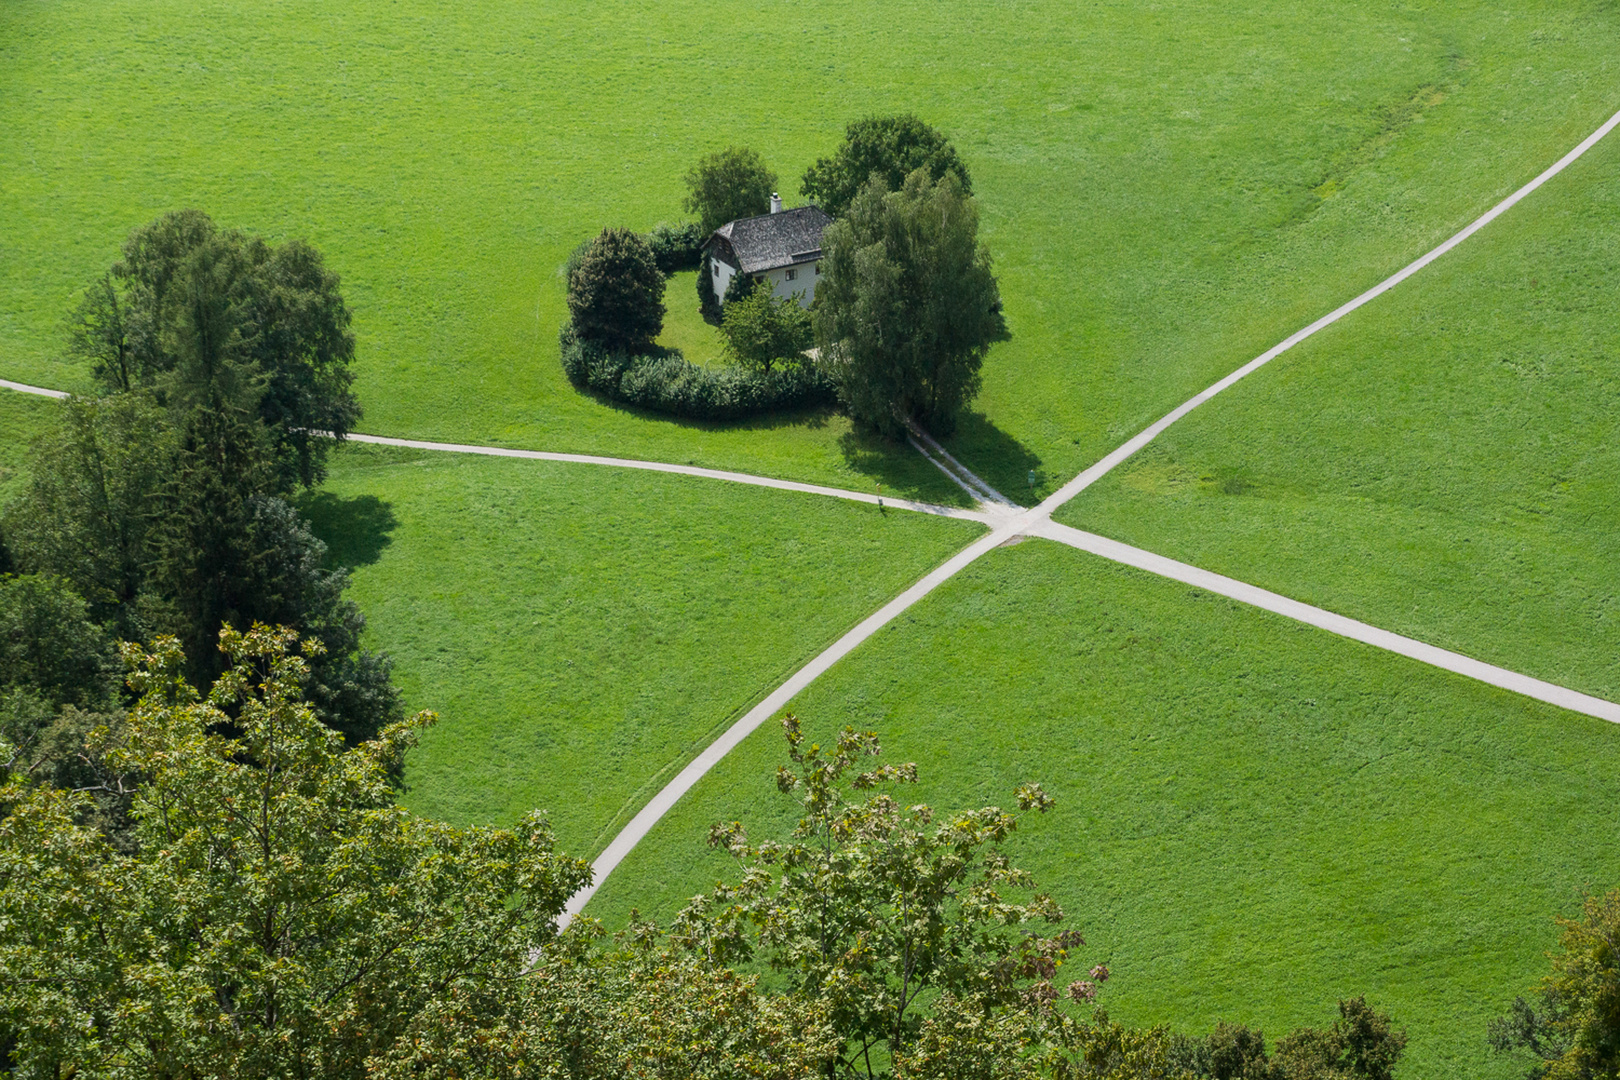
(280, 915)
(728, 184)
(890, 147)
(873, 910)
(907, 307)
(203, 315)
(212, 560)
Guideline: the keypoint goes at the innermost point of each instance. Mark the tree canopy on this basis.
(616, 292)
(891, 147)
(907, 307)
(204, 315)
(728, 184)
(280, 915)
(763, 330)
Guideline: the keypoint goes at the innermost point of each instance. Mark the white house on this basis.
(782, 247)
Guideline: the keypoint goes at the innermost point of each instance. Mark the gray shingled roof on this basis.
(772, 240)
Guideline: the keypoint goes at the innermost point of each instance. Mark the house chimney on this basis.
(776, 203)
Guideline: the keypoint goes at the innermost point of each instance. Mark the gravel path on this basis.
(1113, 550)
(981, 516)
(24, 388)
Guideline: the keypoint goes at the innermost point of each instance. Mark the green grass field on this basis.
(1168, 189)
(1443, 463)
(584, 631)
(1254, 818)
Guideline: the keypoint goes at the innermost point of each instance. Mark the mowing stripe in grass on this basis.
(1148, 434)
(1115, 551)
(684, 470)
(24, 388)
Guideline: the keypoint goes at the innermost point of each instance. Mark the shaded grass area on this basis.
(23, 417)
(1443, 463)
(1254, 818)
(582, 631)
(1168, 188)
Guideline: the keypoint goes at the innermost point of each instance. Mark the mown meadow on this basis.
(582, 632)
(1442, 463)
(1167, 190)
(1254, 818)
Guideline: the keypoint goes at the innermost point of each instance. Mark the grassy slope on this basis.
(582, 631)
(1254, 817)
(1442, 463)
(22, 417)
(1168, 189)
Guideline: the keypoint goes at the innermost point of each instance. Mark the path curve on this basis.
(982, 517)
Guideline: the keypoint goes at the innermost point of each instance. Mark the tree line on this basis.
(163, 503)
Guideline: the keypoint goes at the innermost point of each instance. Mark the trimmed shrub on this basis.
(677, 247)
(662, 380)
(616, 293)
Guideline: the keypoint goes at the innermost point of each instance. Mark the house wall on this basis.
(802, 287)
(722, 277)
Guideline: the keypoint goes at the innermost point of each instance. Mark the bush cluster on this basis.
(664, 381)
(677, 247)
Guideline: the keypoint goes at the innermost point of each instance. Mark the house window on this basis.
(792, 272)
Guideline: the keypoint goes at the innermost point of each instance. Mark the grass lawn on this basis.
(22, 418)
(583, 631)
(1254, 818)
(1168, 188)
(684, 327)
(1443, 463)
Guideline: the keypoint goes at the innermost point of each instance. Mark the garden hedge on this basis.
(664, 381)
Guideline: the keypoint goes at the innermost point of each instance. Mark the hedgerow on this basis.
(665, 381)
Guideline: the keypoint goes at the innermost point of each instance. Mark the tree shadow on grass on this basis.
(999, 459)
(355, 530)
(899, 469)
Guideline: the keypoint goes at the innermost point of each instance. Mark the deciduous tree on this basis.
(208, 316)
(280, 915)
(728, 184)
(86, 511)
(1571, 1031)
(890, 147)
(872, 910)
(763, 330)
(907, 307)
